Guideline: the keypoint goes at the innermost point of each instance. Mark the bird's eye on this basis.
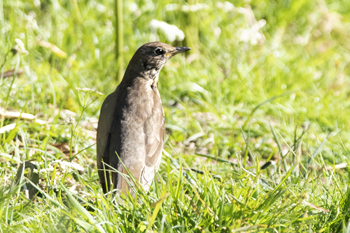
(159, 51)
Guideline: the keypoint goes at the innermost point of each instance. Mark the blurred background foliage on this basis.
(243, 53)
(292, 54)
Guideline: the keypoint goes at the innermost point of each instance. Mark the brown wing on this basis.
(104, 137)
(154, 132)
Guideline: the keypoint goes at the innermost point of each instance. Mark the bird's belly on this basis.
(139, 126)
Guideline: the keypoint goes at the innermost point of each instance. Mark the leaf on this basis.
(315, 207)
(157, 206)
(12, 133)
(7, 128)
(81, 210)
(53, 48)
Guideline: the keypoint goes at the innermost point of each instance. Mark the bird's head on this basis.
(151, 57)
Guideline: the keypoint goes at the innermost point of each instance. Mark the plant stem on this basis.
(119, 37)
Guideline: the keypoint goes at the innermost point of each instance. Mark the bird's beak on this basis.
(181, 49)
(178, 50)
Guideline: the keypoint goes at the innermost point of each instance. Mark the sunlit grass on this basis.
(247, 95)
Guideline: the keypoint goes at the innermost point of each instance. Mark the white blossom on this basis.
(88, 90)
(44, 172)
(195, 7)
(171, 31)
(253, 34)
(225, 6)
(19, 47)
(68, 166)
(187, 8)
(171, 7)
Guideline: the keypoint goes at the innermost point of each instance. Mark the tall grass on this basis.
(119, 44)
(256, 115)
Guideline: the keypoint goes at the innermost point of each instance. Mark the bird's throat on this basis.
(153, 74)
(154, 84)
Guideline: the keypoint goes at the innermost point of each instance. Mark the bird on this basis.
(131, 126)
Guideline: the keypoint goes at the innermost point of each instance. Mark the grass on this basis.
(247, 96)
